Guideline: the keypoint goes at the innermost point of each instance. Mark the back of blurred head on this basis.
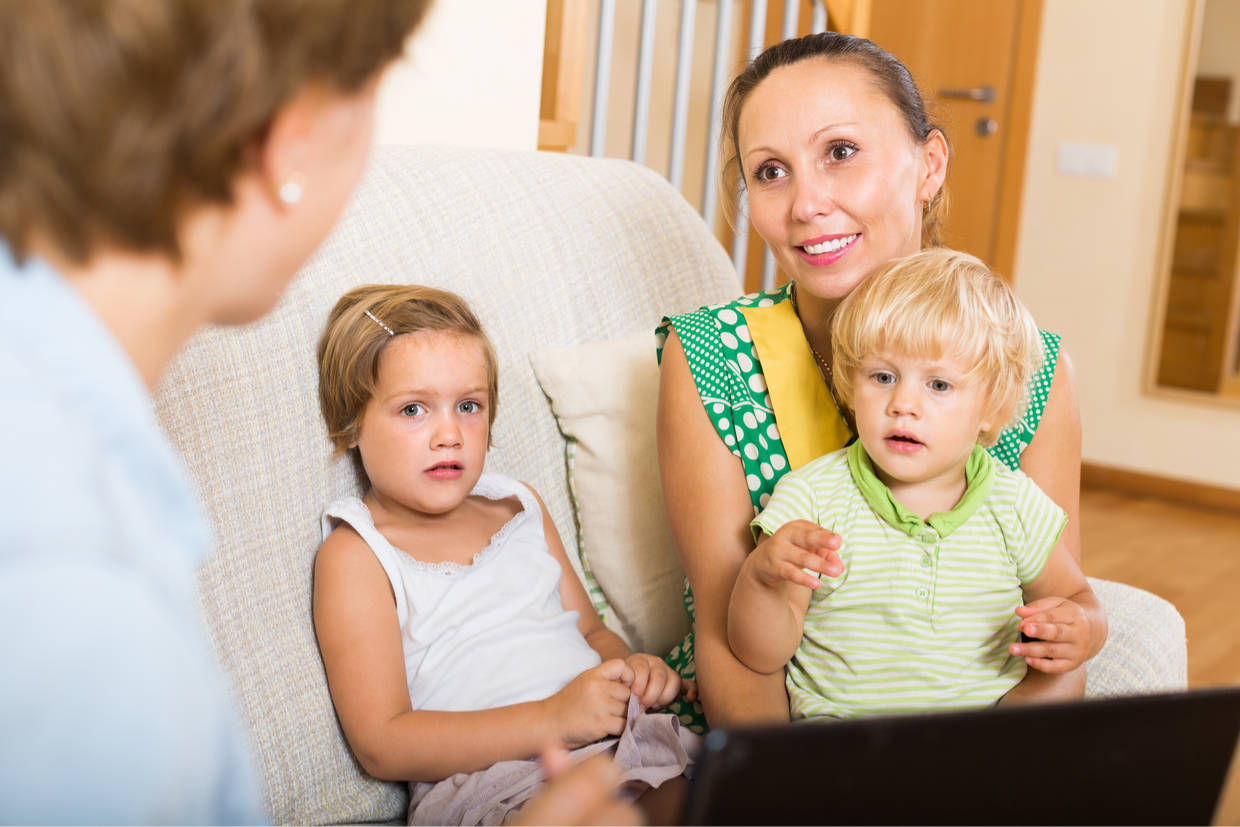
(118, 117)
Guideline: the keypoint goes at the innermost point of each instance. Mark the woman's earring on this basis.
(292, 188)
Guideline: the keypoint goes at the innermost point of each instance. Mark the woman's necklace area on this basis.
(824, 365)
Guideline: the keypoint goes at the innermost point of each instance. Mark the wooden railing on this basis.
(568, 49)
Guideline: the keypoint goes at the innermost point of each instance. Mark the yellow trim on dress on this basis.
(809, 423)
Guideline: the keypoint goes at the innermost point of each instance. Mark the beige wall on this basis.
(1087, 261)
(472, 77)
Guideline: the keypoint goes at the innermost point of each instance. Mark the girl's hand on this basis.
(1064, 635)
(655, 683)
(594, 705)
(794, 548)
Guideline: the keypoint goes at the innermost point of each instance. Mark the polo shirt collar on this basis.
(979, 473)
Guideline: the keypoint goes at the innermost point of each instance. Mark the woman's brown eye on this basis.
(841, 153)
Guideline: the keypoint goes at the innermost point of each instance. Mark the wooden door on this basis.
(974, 60)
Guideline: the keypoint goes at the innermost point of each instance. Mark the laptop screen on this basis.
(1159, 759)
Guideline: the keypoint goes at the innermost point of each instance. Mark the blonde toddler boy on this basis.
(947, 555)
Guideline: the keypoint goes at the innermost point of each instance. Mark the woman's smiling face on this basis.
(835, 181)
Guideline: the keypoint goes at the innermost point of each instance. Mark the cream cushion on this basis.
(604, 397)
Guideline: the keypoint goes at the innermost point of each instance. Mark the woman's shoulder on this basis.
(716, 329)
(1017, 436)
(727, 312)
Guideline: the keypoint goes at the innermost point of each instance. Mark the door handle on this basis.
(984, 94)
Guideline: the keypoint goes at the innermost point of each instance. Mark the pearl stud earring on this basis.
(292, 188)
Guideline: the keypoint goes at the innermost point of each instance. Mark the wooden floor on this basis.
(1190, 557)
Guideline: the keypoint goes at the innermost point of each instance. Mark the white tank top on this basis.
(485, 635)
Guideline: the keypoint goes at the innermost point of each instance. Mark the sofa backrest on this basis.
(551, 251)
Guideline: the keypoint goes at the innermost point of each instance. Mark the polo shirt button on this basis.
(921, 594)
(925, 561)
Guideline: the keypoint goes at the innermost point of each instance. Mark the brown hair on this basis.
(352, 343)
(891, 77)
(117, 116)
(942, 303)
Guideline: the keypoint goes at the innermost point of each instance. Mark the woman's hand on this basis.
(655, 684)
(581, 794)
(1064, 633)
(792, 552)
(594, 705)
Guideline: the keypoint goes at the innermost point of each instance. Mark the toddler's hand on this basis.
(655, 683)
(1063, 633)
(794, 548)
(594, 705)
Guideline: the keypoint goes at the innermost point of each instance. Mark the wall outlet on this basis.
(1087, 160)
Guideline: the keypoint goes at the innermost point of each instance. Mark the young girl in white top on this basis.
(457, 639)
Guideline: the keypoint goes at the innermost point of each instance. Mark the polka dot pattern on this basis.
(729, 378)
(732, 386)
(1015, 439)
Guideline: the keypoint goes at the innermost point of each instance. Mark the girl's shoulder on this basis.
(502, 486)
(349, 511)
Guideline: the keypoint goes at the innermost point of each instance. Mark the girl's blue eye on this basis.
(940, 385)
(884, 378)
(412, 409)
(469, 407)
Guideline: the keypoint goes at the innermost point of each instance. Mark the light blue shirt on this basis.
(111, 707)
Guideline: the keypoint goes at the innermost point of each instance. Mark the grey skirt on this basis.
(652, 749)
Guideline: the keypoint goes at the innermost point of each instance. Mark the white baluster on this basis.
(645, 74)
(680, 107)
(602, 76)
(718, 87)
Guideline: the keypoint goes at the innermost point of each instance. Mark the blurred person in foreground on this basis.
(164, 164)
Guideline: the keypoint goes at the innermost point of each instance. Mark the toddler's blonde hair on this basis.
(936, 304)
(352, 343)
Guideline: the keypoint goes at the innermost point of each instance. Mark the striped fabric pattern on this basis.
(923, 615)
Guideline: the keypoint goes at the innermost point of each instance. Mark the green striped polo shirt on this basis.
(924, 613)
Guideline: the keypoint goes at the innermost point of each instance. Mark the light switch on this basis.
(1087, 160)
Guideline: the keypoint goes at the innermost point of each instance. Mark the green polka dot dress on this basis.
(730, 381)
